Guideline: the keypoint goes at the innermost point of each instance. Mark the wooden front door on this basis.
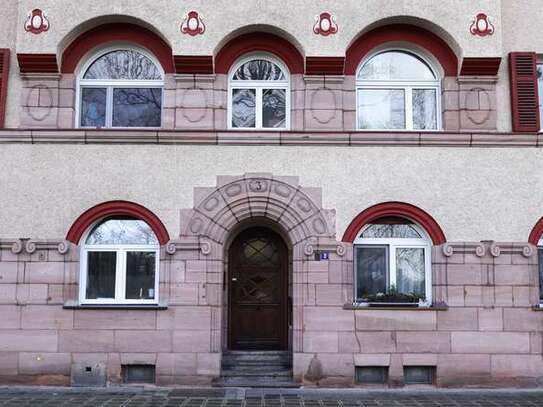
(258, 261)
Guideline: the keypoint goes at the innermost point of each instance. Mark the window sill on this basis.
(77, 306)
(399, 307)
(537, 307)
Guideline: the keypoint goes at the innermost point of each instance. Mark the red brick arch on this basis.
(401, 33)
(259, 42)
(398, 209)
(116, 32)
(117, 208)
(536, 233)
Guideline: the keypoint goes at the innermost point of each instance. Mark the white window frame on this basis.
(115, 83)
(406, 86)
(120, 270)
(398, 243)
(539, 247)
(259, 86)
(539, 64)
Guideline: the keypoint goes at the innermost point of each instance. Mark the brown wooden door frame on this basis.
(233, 266)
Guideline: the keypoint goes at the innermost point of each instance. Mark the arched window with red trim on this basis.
(119, 253)
(392, 254)
(536, 238)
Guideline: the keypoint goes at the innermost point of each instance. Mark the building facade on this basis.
(229, 193)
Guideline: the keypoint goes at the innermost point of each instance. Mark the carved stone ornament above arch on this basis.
(295, 209)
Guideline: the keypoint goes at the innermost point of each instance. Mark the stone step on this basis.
(260, 357)
(264, 368)
(256, 381)
(285, 373)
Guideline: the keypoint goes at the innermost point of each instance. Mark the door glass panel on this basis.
(93, 107)
(243, 107)
(140, 275)
(101, 275)
(424, 109)
(137, 107)
(372, 269)
(381, 108)
(273, 108)
(410, 271)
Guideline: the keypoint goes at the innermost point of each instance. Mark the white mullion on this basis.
(109, 106)
(392, 266)
(120, 276)
(408, 108)
(83, 277)
(258, 107)
(157, 275)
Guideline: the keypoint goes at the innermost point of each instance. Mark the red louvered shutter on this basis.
(4, 72)
(524, 92)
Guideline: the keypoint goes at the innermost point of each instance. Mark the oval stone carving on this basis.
(303, 204)
(323, 105)
(196, 225)
(233, 190)
(319, 226)
(282, 190)
(258, 185)
(211, 203)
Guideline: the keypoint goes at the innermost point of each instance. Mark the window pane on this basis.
(396, 65)
(133, 107)
(273, 108)
(410, 271)
(122, 231)
(123, 64)
(93, 107)
(243, 107)
(540, 87)
(540, 252)
(377, 231)
(259, 70)
(381, 108)
(140, 275)
(371, 270)
(424, 109)
(101, 275)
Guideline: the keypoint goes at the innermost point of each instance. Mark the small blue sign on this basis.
(325, 255)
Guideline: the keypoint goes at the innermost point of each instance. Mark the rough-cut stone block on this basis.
(490, 342)
(455, 296)
(503, 296)
(337, 365)
(143, 341)
(45, 273)
(44, 363)
(320, 342)
(138, 358)
(522, 296)
(9, 363)
(473, 295)
(182, 317)
(490, 319)
(32, 293)
(86, 341)
(8, 272)
(209, 364)
(185, 364)
(366, 342)
(392, 320)
(420, 342)
(8, 293)
(464, 274)
(517, 366)
(114, 319)
(329, 294)
(457, 319)
(184, 293)
(372, 360)
(420, 359)
(449, 365)
(191, 341)
(328, 318)
(46, 317)
(28, 341)
(522, 319)
(512, 274)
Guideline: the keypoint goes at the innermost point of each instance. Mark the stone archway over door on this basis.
(298, 213)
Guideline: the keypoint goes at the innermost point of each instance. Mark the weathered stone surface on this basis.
(517, 365)
(463, 365)
(46, 317)
(44, 363)
(191, 341)
(490, 342)
(143, 341)
(320, 341)
(420, 342)
(328, 318)
(490, 319)
(522, 319)
(391, 320)
(457, 319)
(185, 317)
(114, 319)
(89, 341)
(28, 340)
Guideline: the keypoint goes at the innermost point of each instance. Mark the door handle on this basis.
(234, 279)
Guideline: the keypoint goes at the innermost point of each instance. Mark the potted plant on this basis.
(394, 297)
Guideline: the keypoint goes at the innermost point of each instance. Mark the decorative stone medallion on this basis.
(193, 24)
(482, 25)
(325, 24)
(36, 22)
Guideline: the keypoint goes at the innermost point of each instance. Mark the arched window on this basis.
(120, 88)
(392, 262)
(540, 266)
(259, 94)
(119, 263)
(397, 90)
